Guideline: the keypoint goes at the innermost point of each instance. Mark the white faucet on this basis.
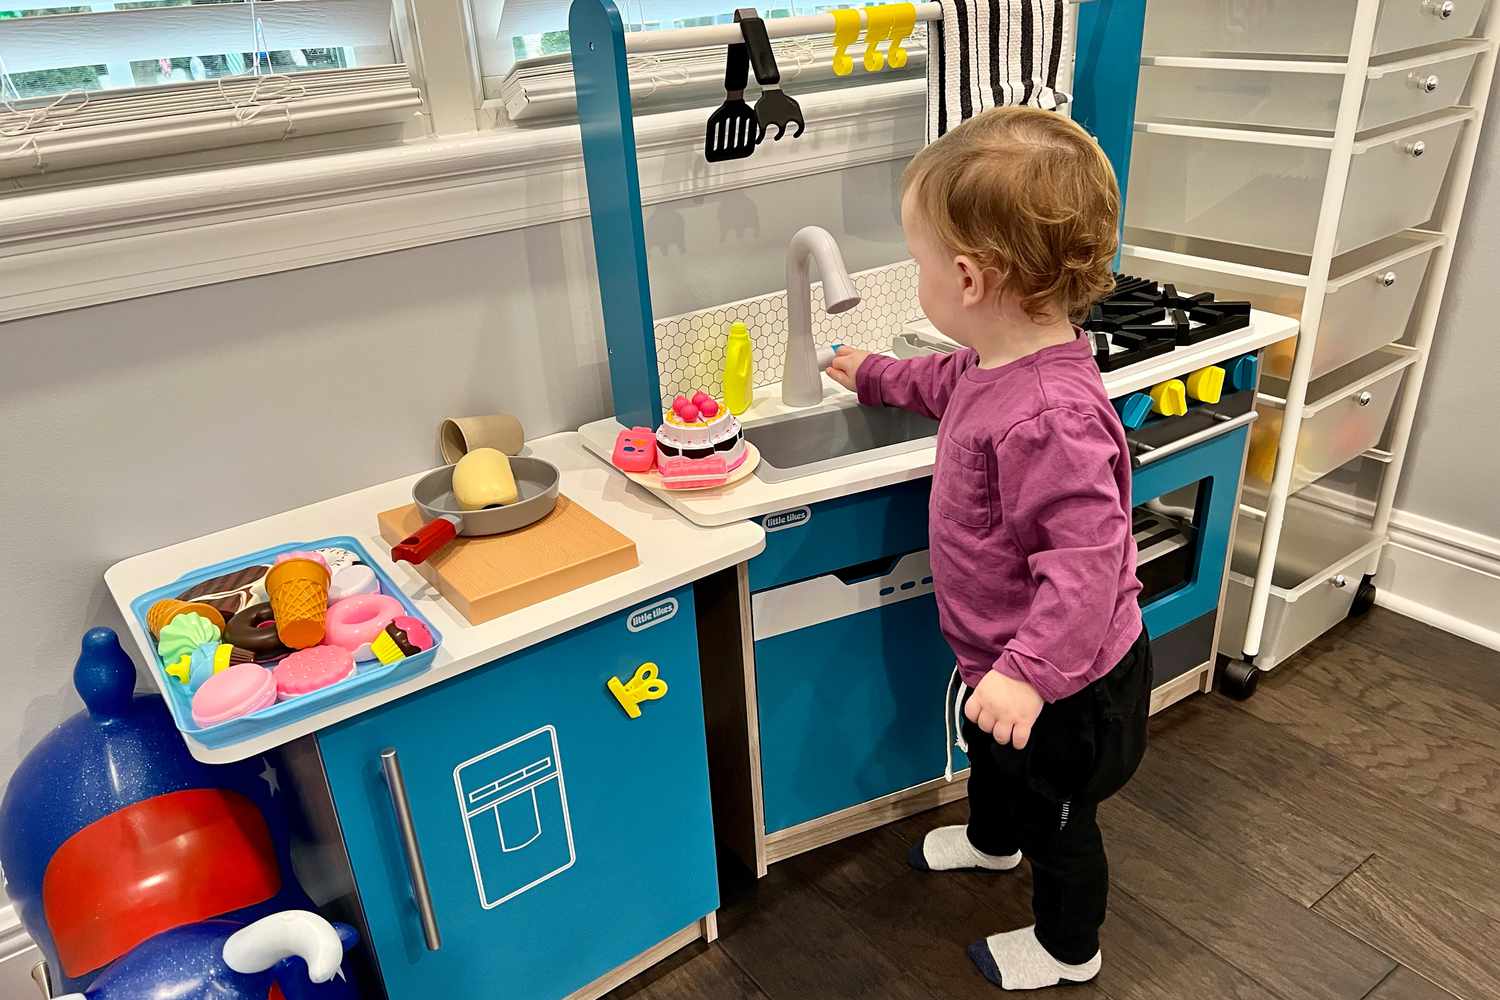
(801, 379)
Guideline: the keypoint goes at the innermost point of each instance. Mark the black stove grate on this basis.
(1143, 319)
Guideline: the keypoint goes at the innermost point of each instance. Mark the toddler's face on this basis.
(940, 281)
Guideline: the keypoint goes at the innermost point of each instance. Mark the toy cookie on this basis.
(355, 622)
(254, 630)
(240, 690)
(351, 580)
(307, 670)
(406, 636)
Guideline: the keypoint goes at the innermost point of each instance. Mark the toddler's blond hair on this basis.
(1029, 194)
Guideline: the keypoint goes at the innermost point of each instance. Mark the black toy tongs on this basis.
(733, 130)
(775, 109)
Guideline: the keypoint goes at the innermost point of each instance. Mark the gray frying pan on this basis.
(536, 484)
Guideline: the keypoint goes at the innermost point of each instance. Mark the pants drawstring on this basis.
(953, 720)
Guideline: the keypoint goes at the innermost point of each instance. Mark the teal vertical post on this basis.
(1106, 76)
(600, 75)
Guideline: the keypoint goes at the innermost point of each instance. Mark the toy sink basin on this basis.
(821, 439)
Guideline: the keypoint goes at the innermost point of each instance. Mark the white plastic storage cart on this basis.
(1313, 158)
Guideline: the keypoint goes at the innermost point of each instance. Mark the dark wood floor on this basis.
(1337, 836)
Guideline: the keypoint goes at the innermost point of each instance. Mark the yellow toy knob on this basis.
(1206, 385)
(644, 686)
(1170, 398)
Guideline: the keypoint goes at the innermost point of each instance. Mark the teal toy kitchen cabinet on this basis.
(559, 838)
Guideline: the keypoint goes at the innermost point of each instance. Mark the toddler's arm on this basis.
(922, 384)
(1060, 499)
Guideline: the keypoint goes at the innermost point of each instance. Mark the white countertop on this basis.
(753, 497)
(672, 552)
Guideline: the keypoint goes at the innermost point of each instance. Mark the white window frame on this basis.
(127, 237)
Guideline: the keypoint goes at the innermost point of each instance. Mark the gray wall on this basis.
(1453, 468)
(130, 426)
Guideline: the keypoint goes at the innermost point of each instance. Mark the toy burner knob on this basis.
(104, 674)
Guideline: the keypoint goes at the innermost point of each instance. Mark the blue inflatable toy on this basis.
(119, 848)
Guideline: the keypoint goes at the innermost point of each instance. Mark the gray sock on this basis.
(947, 849)
(1016, 960)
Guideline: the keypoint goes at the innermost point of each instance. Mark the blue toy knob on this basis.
(104, 674)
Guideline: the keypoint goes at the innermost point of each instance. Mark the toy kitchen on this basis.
(498, 758)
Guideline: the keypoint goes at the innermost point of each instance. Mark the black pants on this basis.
(1042, 800)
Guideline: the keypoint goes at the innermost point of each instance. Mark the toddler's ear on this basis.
(978, 284)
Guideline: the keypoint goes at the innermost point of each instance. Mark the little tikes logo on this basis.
(644, 618)
(794, 518)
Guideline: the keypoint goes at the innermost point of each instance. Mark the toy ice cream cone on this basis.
(164, 610)
(299, 601)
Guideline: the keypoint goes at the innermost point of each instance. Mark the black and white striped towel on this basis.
(990, 53)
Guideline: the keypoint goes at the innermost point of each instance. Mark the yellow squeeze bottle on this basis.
(739, 370)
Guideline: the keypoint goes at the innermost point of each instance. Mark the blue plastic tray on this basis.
(368, 677)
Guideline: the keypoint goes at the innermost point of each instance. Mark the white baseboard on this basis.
(17, 957)
(1435, 572)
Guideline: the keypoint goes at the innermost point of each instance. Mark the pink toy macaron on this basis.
(308, 670)
(229, 694)
(354, 622)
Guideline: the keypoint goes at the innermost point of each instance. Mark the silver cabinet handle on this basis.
(1364, 399)
(1387, 280)
(1444, 10)
(1155, 453)
(396, 785)
(1416, 149)
(1341, 581)
(1426, 84)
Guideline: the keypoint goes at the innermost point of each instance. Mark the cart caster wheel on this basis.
(1364, 598)
(1238, 679)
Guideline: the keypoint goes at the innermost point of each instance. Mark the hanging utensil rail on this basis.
(676, 39)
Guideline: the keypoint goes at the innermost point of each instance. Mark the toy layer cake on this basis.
(701, 427)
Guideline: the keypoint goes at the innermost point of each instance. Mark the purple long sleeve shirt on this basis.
(1030, 524)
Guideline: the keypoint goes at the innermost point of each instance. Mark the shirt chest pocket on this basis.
(963, 485)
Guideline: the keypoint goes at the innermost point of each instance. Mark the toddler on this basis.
(1012, 220)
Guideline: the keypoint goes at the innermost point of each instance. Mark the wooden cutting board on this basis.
(493, 575)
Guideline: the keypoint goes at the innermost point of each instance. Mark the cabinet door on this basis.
(850, 676)
(560, 837)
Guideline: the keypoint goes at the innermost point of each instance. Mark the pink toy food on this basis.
(693, 473)
(229, 694)
(354, 622)
(308, 670)
(635, 450)
(316, 557)
(351, 580)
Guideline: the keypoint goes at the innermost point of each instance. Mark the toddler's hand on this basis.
(1004, 708)
(845, 365)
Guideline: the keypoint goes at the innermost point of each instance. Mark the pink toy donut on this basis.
(354, 622)
(229, 694)
(307, 670)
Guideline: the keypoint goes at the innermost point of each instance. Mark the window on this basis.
(108, 80)
(526, 69)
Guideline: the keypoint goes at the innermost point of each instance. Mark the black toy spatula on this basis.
(733, 130)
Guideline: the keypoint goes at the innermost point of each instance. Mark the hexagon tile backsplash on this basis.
(690, 347)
